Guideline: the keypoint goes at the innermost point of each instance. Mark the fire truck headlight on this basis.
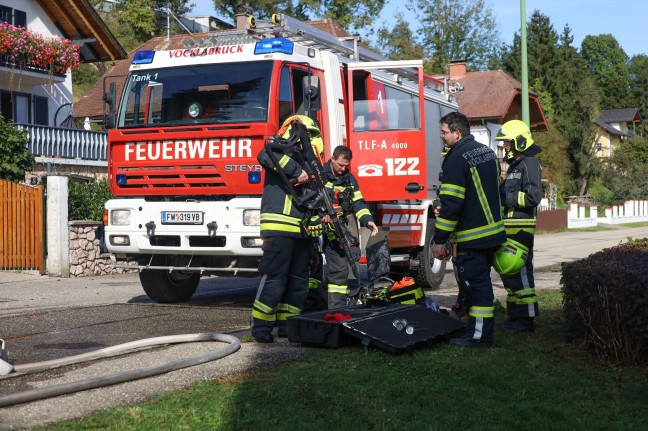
(119, 240)
(251, 217)
(194, 110)
(120, 217)
(251, 242)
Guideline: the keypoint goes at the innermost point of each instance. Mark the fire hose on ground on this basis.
(97, 382)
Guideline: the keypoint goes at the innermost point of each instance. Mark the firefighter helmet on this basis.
(510, 257)
(518, 132)
(315, 134)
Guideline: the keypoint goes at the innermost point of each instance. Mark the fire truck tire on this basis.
(428, 275)
(169, 287)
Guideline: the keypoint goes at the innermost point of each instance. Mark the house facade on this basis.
(491, 98)
(41, 40)
(613, 126)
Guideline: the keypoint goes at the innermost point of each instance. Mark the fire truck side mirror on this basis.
(109, 100)
(312, 93)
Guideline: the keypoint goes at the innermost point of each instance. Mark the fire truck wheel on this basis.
(427, 274)
(169, 287)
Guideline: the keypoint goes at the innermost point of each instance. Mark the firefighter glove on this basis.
(315, 227)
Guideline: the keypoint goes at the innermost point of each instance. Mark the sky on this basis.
(626, 20)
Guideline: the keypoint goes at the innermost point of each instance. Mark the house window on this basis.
(16, 107)
(22, 114)
(41, 111)
(20, 18)
(5, 14)
(17, 18)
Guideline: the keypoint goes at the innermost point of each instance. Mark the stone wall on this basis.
(86, 258)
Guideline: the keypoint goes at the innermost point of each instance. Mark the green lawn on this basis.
(526, 382)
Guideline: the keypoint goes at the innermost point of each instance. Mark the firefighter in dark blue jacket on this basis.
(470, 208)
(347, 199)
(520, 194)
(286, 246)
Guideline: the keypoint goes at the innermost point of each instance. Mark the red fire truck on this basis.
(184, 140)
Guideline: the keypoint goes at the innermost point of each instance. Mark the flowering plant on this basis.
(27, 48)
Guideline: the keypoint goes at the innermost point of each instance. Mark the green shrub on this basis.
(603, 196)
(86, 199)
(605, 299)
(15, 159)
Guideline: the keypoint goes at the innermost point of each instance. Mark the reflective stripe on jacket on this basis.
(280, 215)
(520, 194)
(470, 203)
(347, 185)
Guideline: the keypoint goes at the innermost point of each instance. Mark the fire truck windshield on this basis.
(217, 93)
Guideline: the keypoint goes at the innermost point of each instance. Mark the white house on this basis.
(32, 94)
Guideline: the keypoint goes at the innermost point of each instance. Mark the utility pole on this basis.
(525, 69)
(168, 21)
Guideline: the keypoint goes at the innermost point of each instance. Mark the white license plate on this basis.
(182, 217)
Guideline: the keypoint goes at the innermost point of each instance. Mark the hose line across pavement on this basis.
(97, 382)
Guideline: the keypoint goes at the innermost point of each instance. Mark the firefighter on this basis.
(284, 264)
(520, 194)
(470, 208)
(347, 199)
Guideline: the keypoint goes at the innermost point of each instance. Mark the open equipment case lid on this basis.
(400, 328)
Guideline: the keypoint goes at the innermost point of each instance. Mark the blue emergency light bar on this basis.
(120, 179)
(143, 57)
(268, 46)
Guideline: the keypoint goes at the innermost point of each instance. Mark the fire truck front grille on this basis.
(205, 241)
(170, 177)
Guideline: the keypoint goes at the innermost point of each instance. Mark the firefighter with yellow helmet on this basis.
(520, 194)
(284, 264)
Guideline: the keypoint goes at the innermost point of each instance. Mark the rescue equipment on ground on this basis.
(388, 291)
(393, 328)
(510, 258)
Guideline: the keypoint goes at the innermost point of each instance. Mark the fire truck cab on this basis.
(190, 123)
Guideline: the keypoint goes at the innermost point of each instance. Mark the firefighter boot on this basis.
(470, 343)
(518, 324)
(263, 337)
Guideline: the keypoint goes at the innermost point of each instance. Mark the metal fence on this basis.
(65, 143)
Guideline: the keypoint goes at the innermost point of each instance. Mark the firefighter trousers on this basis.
(284, 283)
(473, 275)
(337, 275)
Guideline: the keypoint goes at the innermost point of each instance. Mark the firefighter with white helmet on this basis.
(520, 194)
(286, 244)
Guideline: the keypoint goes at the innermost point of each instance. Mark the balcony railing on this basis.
(77, 144)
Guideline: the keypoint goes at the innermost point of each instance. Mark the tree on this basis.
(15, 158)
(456, 29)
(638, 70)
(139, 16)
(627, 173)
(556, 166)
(608, 63)
(575, 97)
(399, 43)
(542, 46)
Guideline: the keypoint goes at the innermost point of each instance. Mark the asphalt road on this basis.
(44, 318)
